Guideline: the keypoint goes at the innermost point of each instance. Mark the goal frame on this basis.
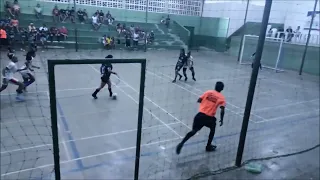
(276, 67)
(53, 104)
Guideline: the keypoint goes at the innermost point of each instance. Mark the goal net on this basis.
(272, 52)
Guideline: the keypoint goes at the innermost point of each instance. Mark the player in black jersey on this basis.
(181, 62)
(106, 71)
(253, 59)
(27, 70)
(10, 53)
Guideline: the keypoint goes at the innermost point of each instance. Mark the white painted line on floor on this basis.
(223, 79)
(288, 116)
(286, 105)
(87, 157)
(62, 137)
(59, 90)
(138, 103)
(198, 95)
(86, 138)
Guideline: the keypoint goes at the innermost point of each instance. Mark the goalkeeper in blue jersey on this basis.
(106, 71)
(253, 59)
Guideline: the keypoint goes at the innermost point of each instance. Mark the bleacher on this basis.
(89, 39)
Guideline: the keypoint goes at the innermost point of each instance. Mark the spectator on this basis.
(16, 8)
(112, 43)
(128, 39)
(10, 34)
(150, 37)
(63, 15)
(132, 29)
(8, 8)
(81, 16)
(168, 21)
(32, 28)
(63, 32)
(43, 36)
(71, 14)
(135, 38)
(281, 32)
(23, 35)
(119, 28)
(85, 14)
(101, 16)
(44, 28)
(38, 11)
(95, 23)
(55, 14)
(108, 42)
(53, 32)
(289, 33)
(297, 32)
(109, 17)
(15, 24)
(163, 20)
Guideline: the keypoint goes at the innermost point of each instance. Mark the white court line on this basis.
(223, 79)
(286, 105)
(87, 138)
(149, 101)
(291, 115)
(198, 95)
(86, 157)
(63, 141)
(59, 90)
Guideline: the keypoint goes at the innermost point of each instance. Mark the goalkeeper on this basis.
(253, 59)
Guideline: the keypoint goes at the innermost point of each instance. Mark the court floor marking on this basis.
(286, 105)
(146, 97)
(87, 157)
(288, 116)
(283, 83)
(89, 137)
(198, 95)
(58, 90)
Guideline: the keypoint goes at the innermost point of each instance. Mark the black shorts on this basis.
(201, 120)
(178, 67)
(105, 79)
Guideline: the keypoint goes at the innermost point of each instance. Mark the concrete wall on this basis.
(288, 12)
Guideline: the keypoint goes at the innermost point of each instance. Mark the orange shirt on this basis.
(3, 34)
(211, 100)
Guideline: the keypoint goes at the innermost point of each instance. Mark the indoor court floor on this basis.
(98, 137)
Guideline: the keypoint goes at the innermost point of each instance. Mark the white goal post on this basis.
(272, 52)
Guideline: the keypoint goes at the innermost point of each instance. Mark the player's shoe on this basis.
(179, 147)
(185, 79)
(94, 96)
(211, 148)
(194, 79)
(174, 81)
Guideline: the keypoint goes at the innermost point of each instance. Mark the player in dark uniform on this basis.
(189, 64)
(10, 53)
(27, 70)
(106, 71)
(253, 59)
(181, 62)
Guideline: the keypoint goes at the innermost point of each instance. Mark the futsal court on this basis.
(98, 137)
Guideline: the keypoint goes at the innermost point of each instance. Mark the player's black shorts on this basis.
(201, 120)
(178, 67)
(105, 79)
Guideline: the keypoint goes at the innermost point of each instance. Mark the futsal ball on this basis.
(114, 96)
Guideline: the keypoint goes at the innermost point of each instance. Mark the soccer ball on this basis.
(114, 96)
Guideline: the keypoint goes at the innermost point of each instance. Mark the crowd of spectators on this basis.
(131, 36)
(287, 35)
